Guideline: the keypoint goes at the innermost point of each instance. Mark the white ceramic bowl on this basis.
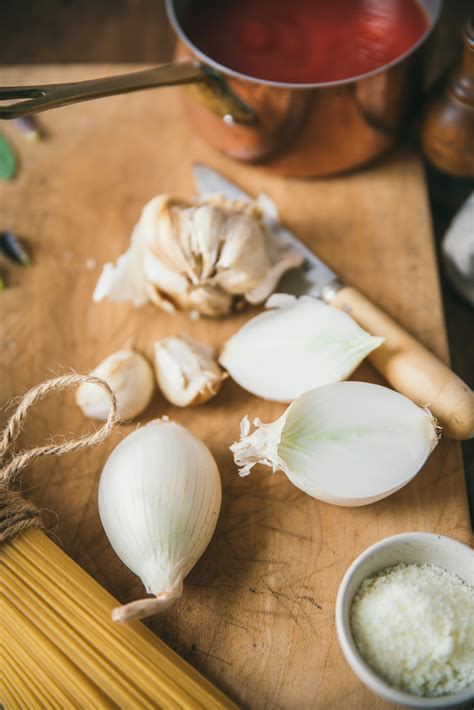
(418, 548)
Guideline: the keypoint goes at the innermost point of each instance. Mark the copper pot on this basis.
(311, 129)
(294, 129)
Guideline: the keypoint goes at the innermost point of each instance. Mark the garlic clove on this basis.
(186, 371)
(243, 231)
(165, 279)
(249, 264)
(270, 281)
(204, 236)
(209, 301)
(157, 227)
(296, 346)
(348, 443)
(131, 379)
(159, 300)
(159, 500)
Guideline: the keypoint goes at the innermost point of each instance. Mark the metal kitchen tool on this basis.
(407, 365)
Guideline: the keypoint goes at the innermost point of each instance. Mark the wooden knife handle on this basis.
(411, 368)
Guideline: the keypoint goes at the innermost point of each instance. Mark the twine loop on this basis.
(17, 513)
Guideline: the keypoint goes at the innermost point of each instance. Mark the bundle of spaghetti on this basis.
(59, 645)
(61, 649)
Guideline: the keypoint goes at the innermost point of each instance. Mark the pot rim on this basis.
(170, 9)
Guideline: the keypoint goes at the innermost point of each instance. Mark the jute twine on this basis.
(18, 513)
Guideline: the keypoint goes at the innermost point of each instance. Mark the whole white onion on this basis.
(159, 500)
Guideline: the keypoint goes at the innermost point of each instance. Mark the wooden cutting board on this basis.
(257, 615)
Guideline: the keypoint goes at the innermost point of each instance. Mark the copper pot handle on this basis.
(212, 90)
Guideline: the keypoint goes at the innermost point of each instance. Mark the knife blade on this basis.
(407, 365)
(312, 279)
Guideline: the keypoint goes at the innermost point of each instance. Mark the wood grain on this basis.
(257, 616)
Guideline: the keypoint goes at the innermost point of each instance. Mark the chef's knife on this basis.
(402, 360)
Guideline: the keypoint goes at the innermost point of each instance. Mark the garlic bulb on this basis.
(159, 499)
(186, 371)
(131, 379)
(349, 443)
(200, 256)
(297, 345)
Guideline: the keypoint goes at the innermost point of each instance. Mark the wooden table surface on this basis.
(257, 614)
(55, 31)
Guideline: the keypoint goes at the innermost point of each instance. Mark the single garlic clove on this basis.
(297, 345)
(186, 371)
(290, 260)
(201, 235)
(208, 300)
(131, 379)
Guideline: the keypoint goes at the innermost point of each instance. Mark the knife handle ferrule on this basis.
(329, 291)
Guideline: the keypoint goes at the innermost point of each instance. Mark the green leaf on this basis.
(7, 160)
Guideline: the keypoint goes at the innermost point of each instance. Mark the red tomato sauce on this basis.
(304, 41)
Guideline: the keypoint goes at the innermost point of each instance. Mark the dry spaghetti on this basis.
(60, 648)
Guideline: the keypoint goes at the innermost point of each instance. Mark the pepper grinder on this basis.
(447, 128)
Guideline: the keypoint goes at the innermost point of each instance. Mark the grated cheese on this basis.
(414, 625)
